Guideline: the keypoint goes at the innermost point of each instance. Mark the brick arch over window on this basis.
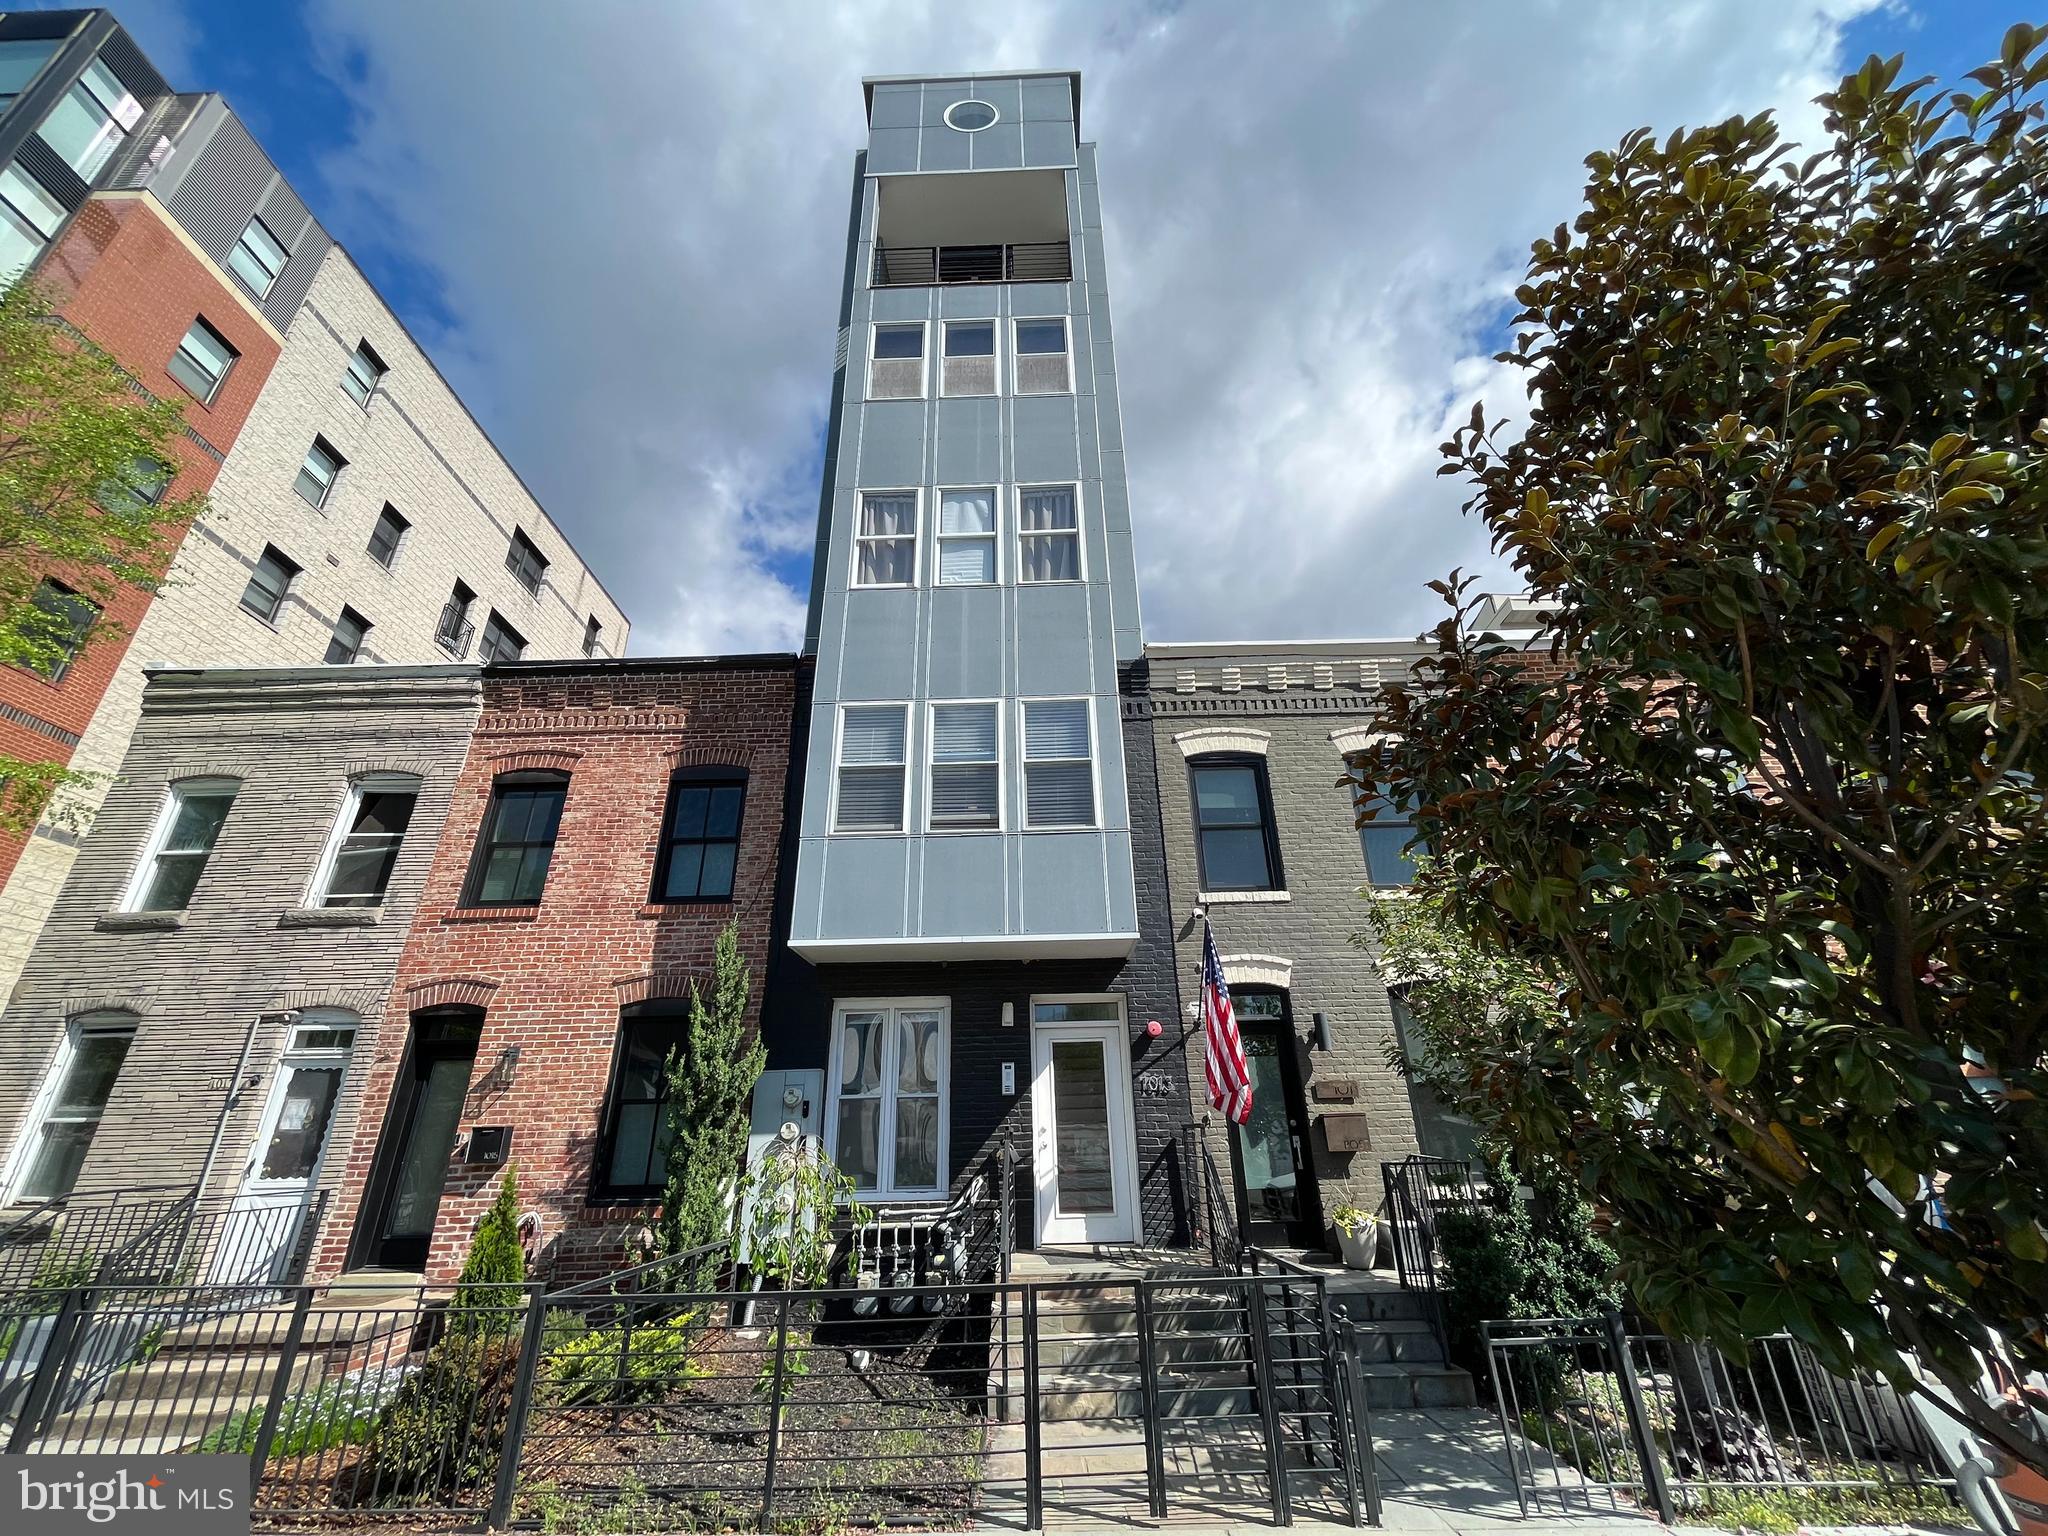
(740, 761)
(449, 991)
(180, 772)
(530, 759)
(412, 767)
(672, 983)
(105, 1002)
(1257, 970)
(1223, 738)
(364, 1002)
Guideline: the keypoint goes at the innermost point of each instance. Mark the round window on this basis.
(968, 116)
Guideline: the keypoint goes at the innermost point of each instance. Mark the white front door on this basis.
(267, 1219)
(1084, 1155)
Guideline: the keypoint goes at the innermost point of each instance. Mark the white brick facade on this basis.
(416, 448)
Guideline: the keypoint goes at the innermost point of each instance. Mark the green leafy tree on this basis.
(709, 1082)
(82, 453)
(1773, 823)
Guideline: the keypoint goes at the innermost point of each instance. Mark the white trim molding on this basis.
(1222, 738)
(1257, 970)
(1356, 738)
(1224, 898)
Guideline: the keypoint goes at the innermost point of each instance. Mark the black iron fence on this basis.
(1596, 1414)
(160, 1235)
(1049, 261)
(622, 1405)
(1212, 1209)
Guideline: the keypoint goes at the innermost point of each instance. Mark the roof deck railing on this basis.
(924, 266)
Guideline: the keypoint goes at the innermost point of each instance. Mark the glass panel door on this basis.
(1084, 1160)
(1080, 1100)
(423, 1165)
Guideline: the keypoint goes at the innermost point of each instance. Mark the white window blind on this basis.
(885, 548)
(967, 537)
(966, 775)
(1048, 534)
(871, 761)
(1059, 777)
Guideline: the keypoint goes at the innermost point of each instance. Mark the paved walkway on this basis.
(1446, 1469)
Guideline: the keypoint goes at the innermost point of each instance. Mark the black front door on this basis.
(419, 1136)
(1278, 1204)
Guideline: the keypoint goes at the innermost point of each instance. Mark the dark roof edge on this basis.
(754, 661)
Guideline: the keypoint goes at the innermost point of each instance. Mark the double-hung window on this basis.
(346, 644)
(202, 361)
(268, 583)
(29, 217)
(317, 474)
(186, 830)
(593, 635)
(869, 794)
(967, 538)
(62, 621)
(1044, 366)
(525, 561)
(966, 771)
(896, 363)
(632, 1160)
(258, 258)
(1389, 861)
(501, 642)
(700, 840)
(387, 536)
(91, 120)
(1059, 768)
(359, 380)
(969, 364)
(355, 867)
(885, 543)
(888, 1113)
(518, 844)
(76, 1098)
(1234, 833)
(1048, 533)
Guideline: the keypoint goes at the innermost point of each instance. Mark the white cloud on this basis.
(1315, 216)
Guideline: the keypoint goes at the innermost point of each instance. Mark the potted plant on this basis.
(1358, 1235)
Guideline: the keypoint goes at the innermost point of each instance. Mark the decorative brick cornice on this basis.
(366, 1003)
(741, 758)
(1257, 970)
(449, 991)
(1167, 704)
(1222, 738)
(669, 982)
(610, 722)
(561, 759)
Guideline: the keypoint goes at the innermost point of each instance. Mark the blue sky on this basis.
(617, 227)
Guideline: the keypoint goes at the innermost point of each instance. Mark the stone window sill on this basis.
(331, 917)
(1225, 898)
(140, 922)
(493, 914)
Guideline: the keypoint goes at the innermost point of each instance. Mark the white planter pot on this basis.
(1360, 1248)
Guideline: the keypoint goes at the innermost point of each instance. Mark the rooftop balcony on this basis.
(971, 227)
(922, 266)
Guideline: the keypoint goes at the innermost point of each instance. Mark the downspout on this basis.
(227, 1103)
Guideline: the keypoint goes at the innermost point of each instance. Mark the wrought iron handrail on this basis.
(924, 266)
(1218, 1222)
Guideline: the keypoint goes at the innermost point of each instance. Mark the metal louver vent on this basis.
(1042, 373)
(970, 375)
(899, 378)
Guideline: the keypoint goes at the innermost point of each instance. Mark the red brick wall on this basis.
(125, 278)
(553, 979)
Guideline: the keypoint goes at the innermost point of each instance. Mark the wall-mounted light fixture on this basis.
(1009, 1015)
(1319, 1037)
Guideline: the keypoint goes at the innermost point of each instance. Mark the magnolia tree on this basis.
(1772, 828)
(83, 465)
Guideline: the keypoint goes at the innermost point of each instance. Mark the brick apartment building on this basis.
(610, 820)
(358, 511)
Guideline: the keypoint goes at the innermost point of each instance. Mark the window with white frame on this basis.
(1044, 365)
(896, 362)
(967, 769)
(355, 867)
(258, 258)
(29, 216)
(317, 472)
(73, 1101)
(1048, 533)
(365, 369)
(1059, 767)
(969, 364)
(869, 794)
(186, 830)
(885, 543)
(888, 1112)
(269, 582)
(967, 538)
(202, 361)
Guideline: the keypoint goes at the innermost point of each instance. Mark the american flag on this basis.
(1223, 1063)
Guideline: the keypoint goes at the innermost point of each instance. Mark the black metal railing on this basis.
(1596, 1414)
(158, 1235)
(607, 1406)
(1213, 1216)
(454, 629)
(923, 266)
(62, 1241)
(1417, 1191)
